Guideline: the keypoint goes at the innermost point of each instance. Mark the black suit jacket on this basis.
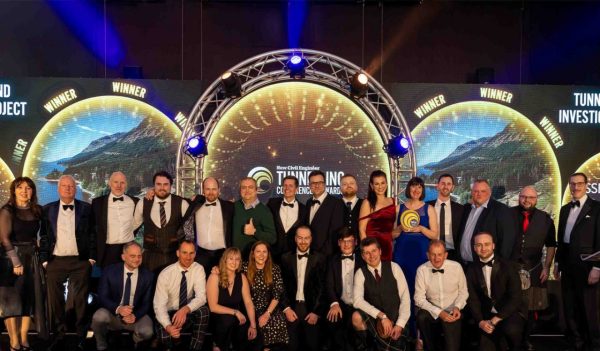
(100, 222)
(110, 289)
(84, 232)
(314, 281)
(498, 220)
(188, 229)
(326, 224)
(285, 240)
(540, 232)
(585, 235)
(506, 297)
(333, 281)
(457, 217)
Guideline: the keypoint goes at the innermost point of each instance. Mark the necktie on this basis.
(349, 205)
(377, 276)
(286, 204)
(117, 199)
(127, 290)
(68, 207)
(526, 220)
(573, 204)
(443, 222)
(315, 202)
(350, 257)
(302, 256)
(489, 263)
(433, 270)
(183, 290)
(211, 204)
(163, 214)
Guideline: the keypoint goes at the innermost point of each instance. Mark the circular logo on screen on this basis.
(263, 178)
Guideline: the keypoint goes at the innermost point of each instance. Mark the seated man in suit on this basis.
(180, 299)
(495, 298)
(380, 296)
(339, 285)
(440, 293)
(125, 293)
(303, 273)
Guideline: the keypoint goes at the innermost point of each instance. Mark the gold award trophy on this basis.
(410, 219)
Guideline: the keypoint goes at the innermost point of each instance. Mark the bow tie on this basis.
(68, 207)
(575, 203)
(286, 204)
(117, 198)
(211, 204)
(303, 256)
(433, 270)
(350, 257)
(489, 263)
(315, 202)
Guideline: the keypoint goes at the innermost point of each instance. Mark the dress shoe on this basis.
(58, 344)
(528, 346)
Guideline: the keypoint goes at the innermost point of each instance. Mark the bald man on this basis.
(113, 220)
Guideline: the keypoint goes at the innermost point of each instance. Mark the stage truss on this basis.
(270, 68)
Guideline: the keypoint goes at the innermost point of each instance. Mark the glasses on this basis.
(317, 183)
(578, 184)
(479, 246)
(347, 241)
(527, 197)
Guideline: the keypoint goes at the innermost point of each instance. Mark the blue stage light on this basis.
(196, 146)
(397, 147)
(295, 59)
(296, 66)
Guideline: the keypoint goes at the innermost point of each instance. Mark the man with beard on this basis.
(536, 230)
(352, 203)
(162, 216)
(449, 215)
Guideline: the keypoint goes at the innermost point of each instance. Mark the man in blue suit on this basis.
(125, 294)
(67, 252)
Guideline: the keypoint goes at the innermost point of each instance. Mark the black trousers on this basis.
(58, 270)
(208, 259)
(229, 331)
(509, 329)
(341, 332)
(431, 332)
(303, 336)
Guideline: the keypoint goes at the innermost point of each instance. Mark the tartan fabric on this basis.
(197, 321)
(384, 344)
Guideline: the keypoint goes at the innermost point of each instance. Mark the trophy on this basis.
(410, 219)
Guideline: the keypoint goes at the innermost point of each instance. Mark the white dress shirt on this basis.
(155, 211)
(166, 296)
(354, 200)
(314, 208)
(447, 222)
(487, 275)
(359, 292)
(573, 214)
(120, 220)
(134, 279)
(209, 226)
(66, 242)
(347, 280)
(301, 269)
(466, 251)
(288, 215)
(438, 291)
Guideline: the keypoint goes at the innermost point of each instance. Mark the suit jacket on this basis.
(84, 233)
(100, 222)
(506, 297)
(498, 220)
(585, 235)
(110, 289)
(540, 232)
(326, 224)
(351, 218)
(333, 280)
(188, 229)
(314, 281)
(285, 240)
(457, 217)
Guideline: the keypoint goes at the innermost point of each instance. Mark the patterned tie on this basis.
(163, 214)
(183, 290)
(526, 221)
(127, 291)
(377, 276)
(443, 222)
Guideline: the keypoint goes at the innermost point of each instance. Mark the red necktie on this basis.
(525, 221)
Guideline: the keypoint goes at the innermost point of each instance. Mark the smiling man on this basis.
(449, 214)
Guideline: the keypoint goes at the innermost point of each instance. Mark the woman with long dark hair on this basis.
(21, 289)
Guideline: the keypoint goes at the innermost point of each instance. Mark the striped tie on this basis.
(183, 290)
(163, 214)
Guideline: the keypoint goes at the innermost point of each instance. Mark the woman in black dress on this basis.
(21, 290)
(225, 292)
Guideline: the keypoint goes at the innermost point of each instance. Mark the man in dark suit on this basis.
(208, 223)
(495, 298)
(486, 215)
(113, 220)
(339, 285)
(303, 272)
(325, 214)
(449, 215)
(349, 189)
(288, 214)
(125, 294)
(578, 235)
(67, 251)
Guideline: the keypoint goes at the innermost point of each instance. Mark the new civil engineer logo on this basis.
(263, 178)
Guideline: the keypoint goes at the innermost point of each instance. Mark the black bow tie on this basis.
(575, 203)
(210, 204)
(433, 270)
(303, 256)
(489, 263)
(286, 204)
(315, 202)
(117, 198)
(68, 207)
(350, 257)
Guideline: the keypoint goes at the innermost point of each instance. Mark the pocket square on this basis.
(587, 216)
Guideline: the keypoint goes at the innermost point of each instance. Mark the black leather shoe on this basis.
(528, 346)
(58, 344)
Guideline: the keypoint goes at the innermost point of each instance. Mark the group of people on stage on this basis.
(334, 273)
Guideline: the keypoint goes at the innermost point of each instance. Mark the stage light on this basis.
(232, 86)
(296, 66)
(359, 85)
(196, 146)
(397, 147)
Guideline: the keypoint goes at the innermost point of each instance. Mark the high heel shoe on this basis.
(26, 348)
(13, 349)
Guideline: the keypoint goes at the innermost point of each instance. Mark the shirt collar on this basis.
(378, 268)
(354, 200)
(167, 199)
(70, 203)
(440, 202)
(126, 270)
(485, 204)
(582, 200)
(252, 205)
(283, 200)
(488, 260)
(321, 198)
(302, 253)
